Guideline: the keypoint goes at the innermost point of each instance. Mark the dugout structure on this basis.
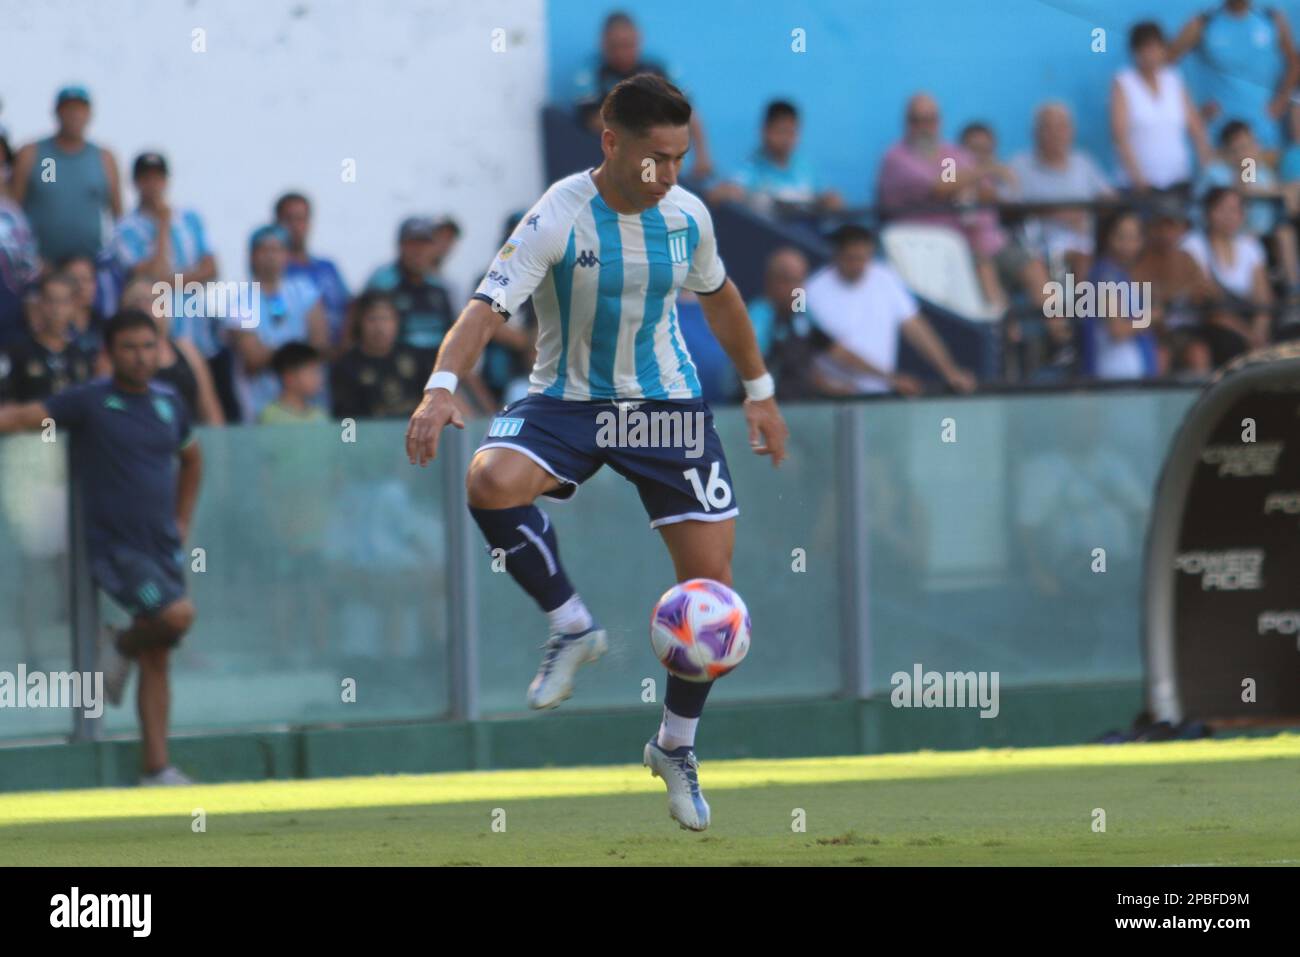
(1222, 596)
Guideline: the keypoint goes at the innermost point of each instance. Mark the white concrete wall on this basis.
(287, 89)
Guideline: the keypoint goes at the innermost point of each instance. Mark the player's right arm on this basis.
(537, 243)
(460, 350)
(23, 417)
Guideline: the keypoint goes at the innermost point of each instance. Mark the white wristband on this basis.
(761, 388)
(442, 380)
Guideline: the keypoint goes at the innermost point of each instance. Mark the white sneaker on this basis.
(115, 666)
(167, 777)
(564, 655)
(679, 770)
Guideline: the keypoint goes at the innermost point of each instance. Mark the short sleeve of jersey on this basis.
(707, 273)
(70, 408)
(522, 263)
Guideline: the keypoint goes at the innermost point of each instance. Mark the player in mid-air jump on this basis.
(603, 254)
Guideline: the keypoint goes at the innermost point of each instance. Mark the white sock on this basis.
(676, 731)
(571, 617)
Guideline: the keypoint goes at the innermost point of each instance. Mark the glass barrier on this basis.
(991, 521)
(35, 631)
(315, 560)
(312, 561)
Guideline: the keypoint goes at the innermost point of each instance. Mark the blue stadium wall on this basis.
(992, 60)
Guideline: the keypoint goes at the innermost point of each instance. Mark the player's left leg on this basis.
(699, 550)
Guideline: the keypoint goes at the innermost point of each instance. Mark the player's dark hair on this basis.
(779, 110)
(63, 264)
(291, 356)
(642, 101)
(288, 198)
(1148, 31)
(970, 129)
(125, 321)
(850, 233)
(1231, 130)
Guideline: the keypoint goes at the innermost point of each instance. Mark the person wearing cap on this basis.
(422, 299)
(284, 309)
(293, 214)
(67, 184)
(168, 245)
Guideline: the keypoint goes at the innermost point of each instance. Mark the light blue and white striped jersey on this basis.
(604, 289)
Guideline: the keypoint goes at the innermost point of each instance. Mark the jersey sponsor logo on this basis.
(508, 250)
(501, 279)
(588, 258)
(677, 246)
(503, 427)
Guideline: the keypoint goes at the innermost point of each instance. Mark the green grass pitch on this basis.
(1205, 802)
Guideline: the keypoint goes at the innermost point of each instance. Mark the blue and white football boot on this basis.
(679, 770)
(565, 654)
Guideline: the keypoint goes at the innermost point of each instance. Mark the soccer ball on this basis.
(699, 629)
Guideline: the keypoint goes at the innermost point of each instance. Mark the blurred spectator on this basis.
(993, 179)
(777, 174)
(301, 373)
(293, 214)
(509, 356)
(1113, 346)
(1151, 117)
(1055, 172)
(422, 301)
(924, 170)
(1251, 62)
(1241, 165)
(20, 262)
(863, 306)
(180, 364)
(67, 184)
(1179, 288)
(47, 360)
(158, 243)
(378, 377)
(86, 322)
(620, 58)
(284, 310)
(1234, 261)
(786, 333)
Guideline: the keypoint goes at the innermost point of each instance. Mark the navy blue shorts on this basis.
(141, 582)
(668, 450)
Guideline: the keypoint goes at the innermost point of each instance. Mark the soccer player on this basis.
(129, 434)
(603, 254)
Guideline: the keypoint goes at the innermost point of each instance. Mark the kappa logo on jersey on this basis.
(532, 221)
(505, 427)
(588, 258)
(677, 246)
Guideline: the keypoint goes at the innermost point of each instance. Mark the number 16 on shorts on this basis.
(716, 494)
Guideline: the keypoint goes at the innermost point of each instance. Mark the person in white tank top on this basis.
(1152, 116)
